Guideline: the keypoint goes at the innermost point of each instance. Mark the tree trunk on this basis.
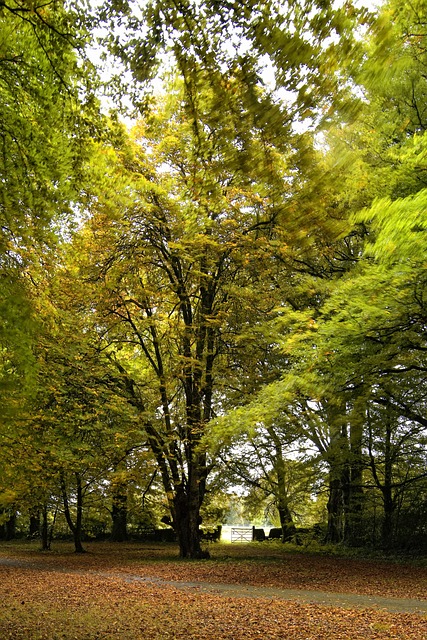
(76, 528)
(187, 520)
(286, 521)
(334, 533)
(34, 528)
(45, 530)
(79, 517)
(354, 534)
(119, 512)
(337, 458)
(387, 530)
(8, 528)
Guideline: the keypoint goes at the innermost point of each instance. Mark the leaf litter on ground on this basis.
(62, 595)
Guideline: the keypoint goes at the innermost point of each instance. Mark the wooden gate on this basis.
(242, 534)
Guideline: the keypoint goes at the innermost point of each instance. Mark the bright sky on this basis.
(112, 67)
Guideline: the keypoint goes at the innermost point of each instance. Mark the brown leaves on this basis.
(122, 592)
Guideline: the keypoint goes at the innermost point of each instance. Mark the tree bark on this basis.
(337, 458)
(334, 532)
(45, 530)
(354, 534)
(385, 486)
(389, 504)
(285, 516)
(75, 528)
(34, 527)
(8, 529)
(186, 522)
(119, 511)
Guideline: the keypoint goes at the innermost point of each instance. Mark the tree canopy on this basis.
(231, 289)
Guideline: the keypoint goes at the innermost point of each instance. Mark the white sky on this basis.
(111, 67)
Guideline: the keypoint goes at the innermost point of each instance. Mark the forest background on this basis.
(222, 308)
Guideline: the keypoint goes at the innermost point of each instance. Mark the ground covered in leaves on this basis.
(130, 592)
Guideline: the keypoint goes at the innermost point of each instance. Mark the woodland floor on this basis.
(259, 591)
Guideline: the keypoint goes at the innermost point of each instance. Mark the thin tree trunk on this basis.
(45, 530)
(285, 516)
(34, 528)
(338, 459)
(119, 511)
(387, 532)
(75, 528)
(354, 534)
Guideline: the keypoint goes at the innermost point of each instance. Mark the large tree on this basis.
(46, 102)
(352, 325)
(175, 266)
